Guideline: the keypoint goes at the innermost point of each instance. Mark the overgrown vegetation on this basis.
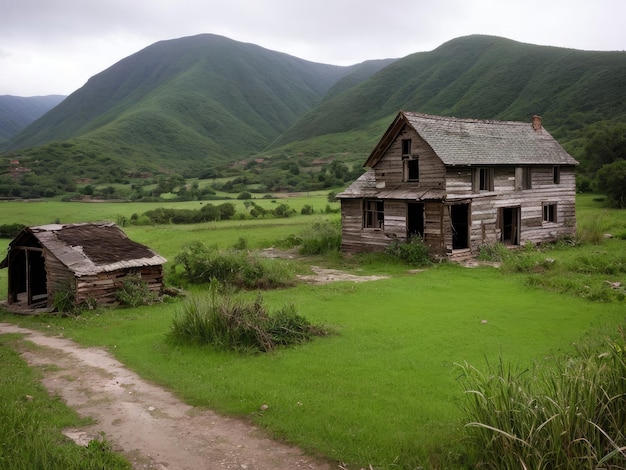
(564, 413)
(413, 252)
(31, 422)
(197, 263)
(225, 321)
(133, 292)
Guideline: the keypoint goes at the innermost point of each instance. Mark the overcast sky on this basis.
(54, 46)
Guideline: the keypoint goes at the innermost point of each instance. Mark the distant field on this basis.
(383, 390)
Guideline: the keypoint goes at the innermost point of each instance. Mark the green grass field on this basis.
(383, 390)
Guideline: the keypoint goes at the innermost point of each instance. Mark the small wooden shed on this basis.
(89, 261)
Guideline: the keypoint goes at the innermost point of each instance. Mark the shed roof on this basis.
(473, 142)
(90, 248)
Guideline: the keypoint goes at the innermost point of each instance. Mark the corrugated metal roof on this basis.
(482, 142)
(87, 249)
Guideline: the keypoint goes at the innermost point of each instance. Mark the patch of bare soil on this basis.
(150, 426)
(324, 276)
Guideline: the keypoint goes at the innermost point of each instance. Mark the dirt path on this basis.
(149, 425)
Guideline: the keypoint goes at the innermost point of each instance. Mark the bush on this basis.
(569, 413)
(224, 321)
(199, 264)
(10, 230)
(307, 209)
(323, 236)
(134, 292)
(413, 252)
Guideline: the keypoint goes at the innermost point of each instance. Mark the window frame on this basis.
(405, 147)
(549, 212)
(556, 174)
(410, 165)
(373, 214)
(483, 179)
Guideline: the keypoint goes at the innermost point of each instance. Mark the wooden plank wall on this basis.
(485, 206)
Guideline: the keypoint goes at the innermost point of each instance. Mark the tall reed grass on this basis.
(226, 321)
(566, 413)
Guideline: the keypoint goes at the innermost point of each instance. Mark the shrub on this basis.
(568, 413)
(413, 252)
(493, 252)
(10, 230)
(222, 320)
(323, 236)
(307, 209)
(199, 264)
(134, 292)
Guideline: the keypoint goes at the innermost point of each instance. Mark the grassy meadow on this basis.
(384, 389)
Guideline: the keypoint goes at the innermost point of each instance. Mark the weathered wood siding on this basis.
(58, 277)
(102, 287)
(485, 226)
(527, 189)
(99, 287)
(390, 168)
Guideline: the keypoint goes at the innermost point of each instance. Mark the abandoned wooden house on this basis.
(87, 262)
(460, 184)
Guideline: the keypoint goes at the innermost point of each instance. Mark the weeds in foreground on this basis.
(565, 413)
(223, 320)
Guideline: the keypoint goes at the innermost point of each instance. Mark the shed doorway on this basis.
(415, 220)
(459, 218)
(28, 279)
(510, 225)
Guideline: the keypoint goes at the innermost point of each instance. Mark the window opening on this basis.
(406, 147)
(549, 212)
(373, 214)
(412, 170)
(556, 175)
(483, 179)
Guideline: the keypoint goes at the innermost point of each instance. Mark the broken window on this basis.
(556, 175)
(523, 177)
(549, 212)
(483, 179)
(406, 147)
(373, 214)
(412, 169)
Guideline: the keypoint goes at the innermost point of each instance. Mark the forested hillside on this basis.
(192, 107)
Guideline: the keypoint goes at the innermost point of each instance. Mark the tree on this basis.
(611, 180)
(606, 146)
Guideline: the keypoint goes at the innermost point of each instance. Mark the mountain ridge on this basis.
(192, 105)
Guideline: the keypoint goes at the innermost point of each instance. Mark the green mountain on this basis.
(481, 77)
(17, 112)
(193, 106)
(197, 99)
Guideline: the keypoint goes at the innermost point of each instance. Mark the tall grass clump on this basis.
(568, 413)
(591, 230)
(225, 321)
(322, 236)
(199, 264)
(413, 252)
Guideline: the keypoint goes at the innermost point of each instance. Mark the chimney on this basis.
(536, 122)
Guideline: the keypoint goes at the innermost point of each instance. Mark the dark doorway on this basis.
(459, 217)
(510, 225)
(27, 276)
(415, 220)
